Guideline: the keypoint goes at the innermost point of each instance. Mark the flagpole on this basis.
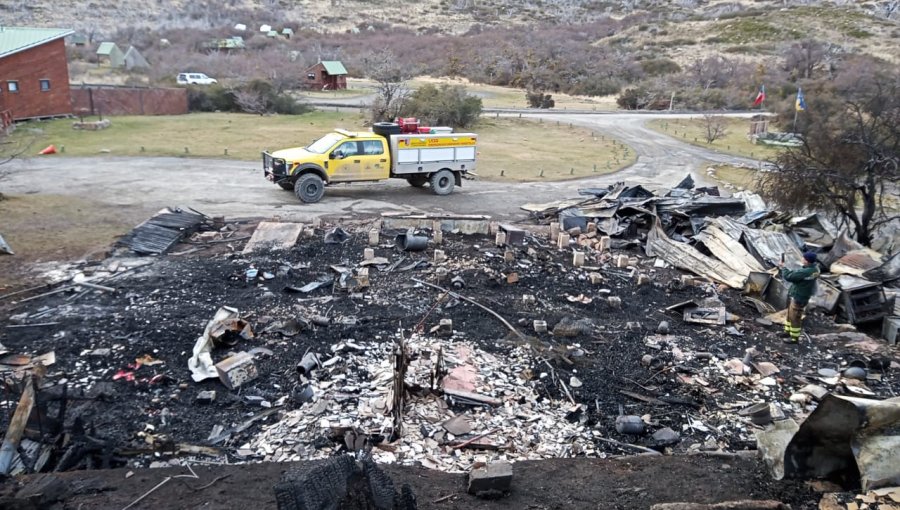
(796, 112)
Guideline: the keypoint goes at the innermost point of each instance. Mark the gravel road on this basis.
(237, 188)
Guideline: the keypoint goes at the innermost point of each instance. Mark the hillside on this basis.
(686, 22)
(705, 54)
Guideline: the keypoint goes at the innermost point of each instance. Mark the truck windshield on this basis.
(323, 144)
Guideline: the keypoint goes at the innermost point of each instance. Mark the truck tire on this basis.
(417, 180)
(309, 188)
(286, 185)
(442, 182)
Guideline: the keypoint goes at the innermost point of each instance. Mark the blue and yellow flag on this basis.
(800, 104)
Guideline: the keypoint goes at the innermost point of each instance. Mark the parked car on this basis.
(195, 79)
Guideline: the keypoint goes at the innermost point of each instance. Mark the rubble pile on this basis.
(488, 396)
(429, 346)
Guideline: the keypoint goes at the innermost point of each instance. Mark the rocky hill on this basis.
(778, 18)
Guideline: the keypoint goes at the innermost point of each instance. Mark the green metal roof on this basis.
(106, 48)
(334, 67)
(14, 40)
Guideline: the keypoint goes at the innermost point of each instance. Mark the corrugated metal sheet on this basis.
(687, 257)
(161, 232)
(770, 246)
(728, 250)
(856, 262)
(14, 40)
(334, 67)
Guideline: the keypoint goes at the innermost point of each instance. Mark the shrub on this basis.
(537, 99)
(659, 66)
(443, 106)
(257, 96)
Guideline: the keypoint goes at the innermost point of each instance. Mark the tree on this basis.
(849, 162)
(391, 90)
(443, 106)
(715, 126)
(802, 58)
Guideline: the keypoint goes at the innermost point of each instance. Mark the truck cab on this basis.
(347, 156)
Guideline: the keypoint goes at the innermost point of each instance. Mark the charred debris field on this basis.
(616, 371)
(448, 348)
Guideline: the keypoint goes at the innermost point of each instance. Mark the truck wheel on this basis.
(286, 185)
(417, 180)
(309, 188)
(442, 182)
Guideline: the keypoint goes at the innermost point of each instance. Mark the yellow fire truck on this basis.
(421, 155)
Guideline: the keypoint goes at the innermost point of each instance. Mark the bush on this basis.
(538, 99)
(214, 98)
(257, 96)
(659, 66)
(443, 106)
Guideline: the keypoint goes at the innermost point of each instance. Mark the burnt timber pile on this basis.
(443, 342)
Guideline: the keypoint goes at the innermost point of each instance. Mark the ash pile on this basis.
(449, 342)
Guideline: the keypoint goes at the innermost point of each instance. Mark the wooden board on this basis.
(273, 236)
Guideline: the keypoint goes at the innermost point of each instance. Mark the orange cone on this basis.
(51, 149)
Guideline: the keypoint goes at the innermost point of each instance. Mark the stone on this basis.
(562, 242)
(540, 326)
(528, 300)
(439, 256)
(666, 436)
(374, 238)
(368, 254)
(614, 301)
(621, 261)
(763, 321)
(643, 279)
(578, 258)
(591, 227)
(206, 397)
(500, 239)
(491, 480)
(237, 370)
(438, 237)
(509, 256)
(596, 278)
(574, 231)
(663, 328)
(512, 278)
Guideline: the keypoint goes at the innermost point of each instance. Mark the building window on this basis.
(12, 86)
(311, 76)
(45, 85)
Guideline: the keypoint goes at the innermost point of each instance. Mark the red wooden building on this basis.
(327, 75)
(34, 73)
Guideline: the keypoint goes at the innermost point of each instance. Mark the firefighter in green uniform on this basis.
(803, 284)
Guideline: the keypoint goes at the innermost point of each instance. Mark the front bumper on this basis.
(274, 169)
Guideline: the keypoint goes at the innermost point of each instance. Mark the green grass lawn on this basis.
(521, 150)
(509, 149)
(742, 178)
(735, 141)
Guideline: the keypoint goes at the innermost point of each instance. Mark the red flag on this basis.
(761, 96)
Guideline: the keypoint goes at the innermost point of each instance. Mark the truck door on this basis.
(346, 164)
(374, 160)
